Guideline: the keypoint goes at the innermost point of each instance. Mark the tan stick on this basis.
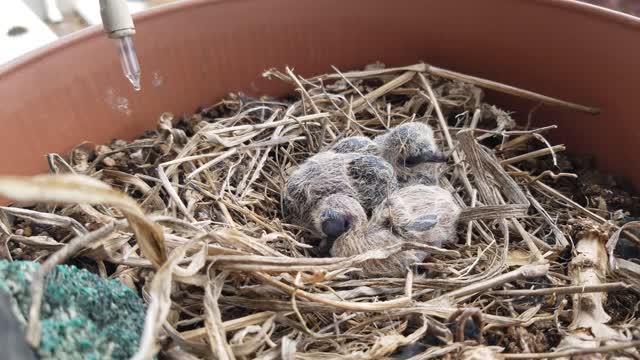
(514, 143)
(507, 89)
(484, 83)
(216, 333)
(527, 271)
(533, 154)
(527, 239)
(343, 305)
(569, 353)
(562, 290)
(441, 119)
(474, 200)
(393, 84)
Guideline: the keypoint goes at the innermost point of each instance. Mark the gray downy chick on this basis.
(367, 179)
(413, 152)
(362, 237)
(356, 144)
(420, 213)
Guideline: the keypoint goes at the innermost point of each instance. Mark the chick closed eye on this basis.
(423, 223)
(424, 158)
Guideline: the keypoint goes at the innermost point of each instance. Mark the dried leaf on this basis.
(529, 313)
(213, 320)
(613, 241)
(518, 257)
(159, 304)
(80, 189)
(45, 218)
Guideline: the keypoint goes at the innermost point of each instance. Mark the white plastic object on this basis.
(129, 61)
(21, 30)
(118, 24)
(89, 10)
(52, 12)
(116, 18)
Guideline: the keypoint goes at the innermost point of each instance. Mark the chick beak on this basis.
(438, 157)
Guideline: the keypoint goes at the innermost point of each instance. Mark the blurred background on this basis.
(26, 25)
(631, 7)
(29, 24)
(77, 14)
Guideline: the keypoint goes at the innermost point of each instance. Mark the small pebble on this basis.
(109, 162)
(102, 149)
(119, 144)
(137, 156)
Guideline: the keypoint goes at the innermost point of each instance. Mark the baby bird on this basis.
(419, 213)
(362, 237)
(410, 148)
(413, 152)
(337, 215)
(356, 144)
(367, 179)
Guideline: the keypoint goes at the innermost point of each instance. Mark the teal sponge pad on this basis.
(83, 316)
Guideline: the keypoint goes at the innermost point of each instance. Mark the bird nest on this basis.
(532, 274)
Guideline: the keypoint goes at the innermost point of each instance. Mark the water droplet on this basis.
(135, 81)
(157, 79)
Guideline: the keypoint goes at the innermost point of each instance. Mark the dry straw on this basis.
(225, 276)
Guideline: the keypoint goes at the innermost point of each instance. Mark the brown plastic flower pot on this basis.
(194, 52)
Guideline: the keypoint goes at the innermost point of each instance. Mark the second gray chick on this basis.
(410, 148)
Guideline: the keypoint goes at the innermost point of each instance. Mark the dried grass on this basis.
(238, 281)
